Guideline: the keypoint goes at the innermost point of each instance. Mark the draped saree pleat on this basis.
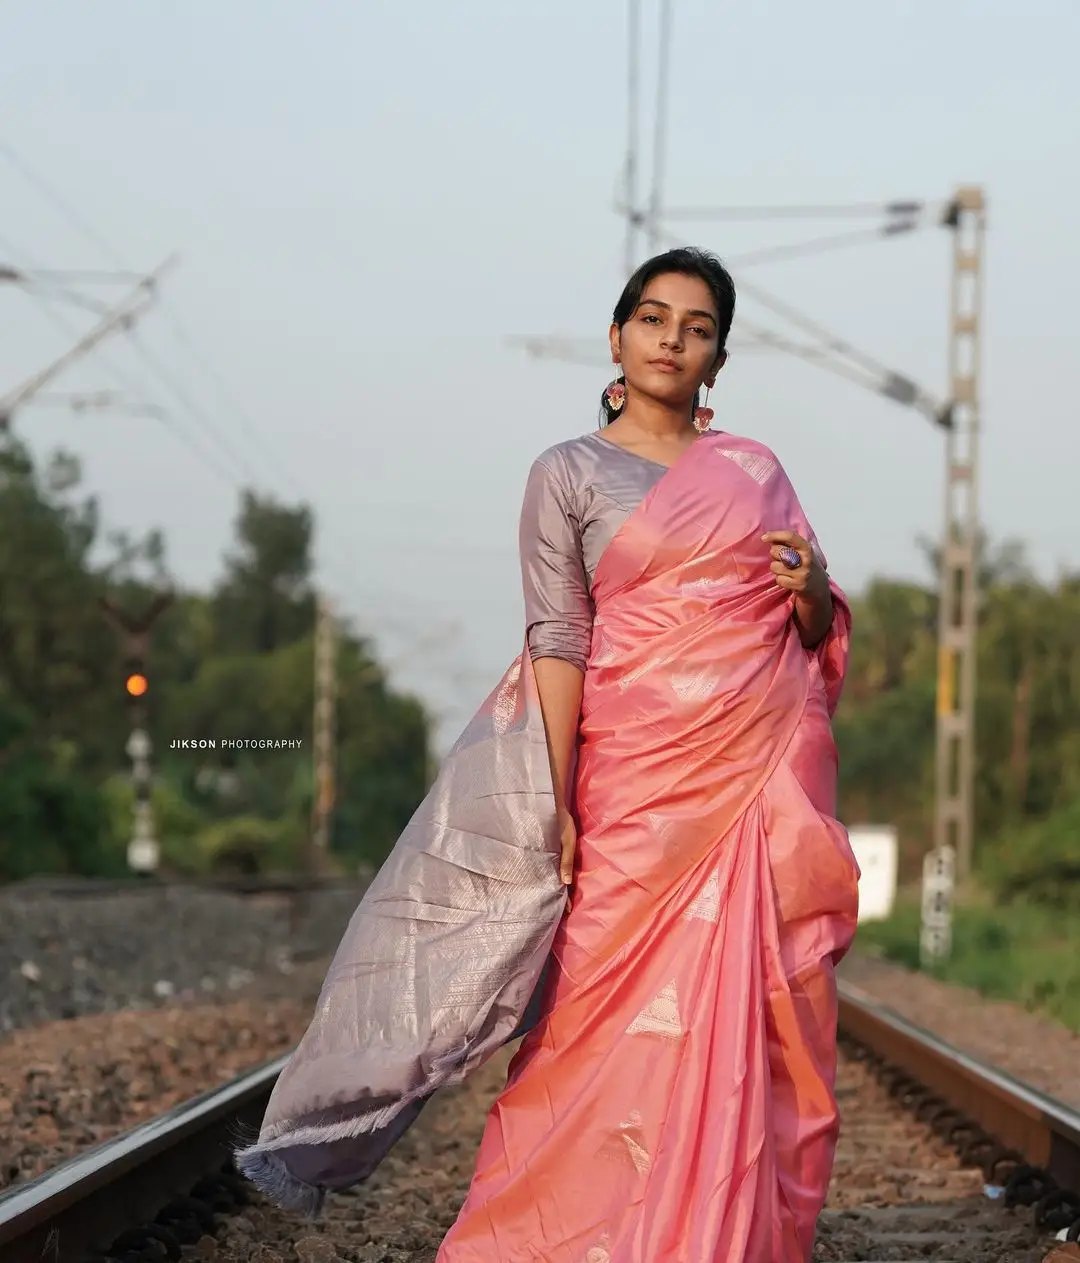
(674, 1102)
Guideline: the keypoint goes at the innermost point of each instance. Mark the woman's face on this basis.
(668, 347)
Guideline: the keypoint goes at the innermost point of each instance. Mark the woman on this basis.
(663, 748)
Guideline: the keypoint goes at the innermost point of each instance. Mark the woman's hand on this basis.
(806, 579)
(808, 582)
(568, 837)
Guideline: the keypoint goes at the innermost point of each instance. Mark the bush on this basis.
(50, 824)
(1038, 863)
(52, 820)
(176, 823)
(249, 845)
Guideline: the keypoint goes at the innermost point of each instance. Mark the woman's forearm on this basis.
(814, 615)
(560, 687)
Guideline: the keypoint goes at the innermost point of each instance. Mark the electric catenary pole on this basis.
(958, 609)
(323, 744)
(120, 318)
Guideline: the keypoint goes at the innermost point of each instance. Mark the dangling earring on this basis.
(703, 416)
(616, 392)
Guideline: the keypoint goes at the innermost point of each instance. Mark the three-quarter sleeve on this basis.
(558, 607)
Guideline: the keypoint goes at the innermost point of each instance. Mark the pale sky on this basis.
(368, 199)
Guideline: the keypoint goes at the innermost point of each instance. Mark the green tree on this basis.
(52, 818)
(234, 662)
(265, 600)
(53, 643)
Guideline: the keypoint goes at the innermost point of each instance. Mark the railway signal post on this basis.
(144, 852)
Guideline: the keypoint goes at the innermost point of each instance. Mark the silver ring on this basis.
(791, 558)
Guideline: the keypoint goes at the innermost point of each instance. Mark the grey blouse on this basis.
(577, 496)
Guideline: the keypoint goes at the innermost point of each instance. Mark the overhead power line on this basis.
(122, 316)
(793, 250)
(853, 210)
(80, 276)
(194, 441)
(66, 210)
(820, 245)
(204, 438)
(98, 401)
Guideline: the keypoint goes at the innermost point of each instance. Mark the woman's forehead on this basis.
(679, 293)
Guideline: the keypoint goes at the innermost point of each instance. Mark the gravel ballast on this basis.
(67, 1086)
(1032, 1048)
(63, 957)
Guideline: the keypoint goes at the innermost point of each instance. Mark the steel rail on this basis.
(88, 1203)
(1026, 1124)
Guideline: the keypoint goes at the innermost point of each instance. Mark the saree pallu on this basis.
(674, 1102)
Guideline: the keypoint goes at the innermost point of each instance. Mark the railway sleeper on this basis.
(1054, 1209)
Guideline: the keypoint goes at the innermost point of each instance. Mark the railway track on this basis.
(940, 1158)
(162, 1182)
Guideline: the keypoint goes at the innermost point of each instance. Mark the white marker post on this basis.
(938, 887)
(143, 853)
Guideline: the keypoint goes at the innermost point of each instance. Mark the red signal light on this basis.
(136, 685)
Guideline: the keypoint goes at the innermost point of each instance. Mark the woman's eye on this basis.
(650, 317)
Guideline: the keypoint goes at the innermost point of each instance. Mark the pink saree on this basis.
(674, 1102)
